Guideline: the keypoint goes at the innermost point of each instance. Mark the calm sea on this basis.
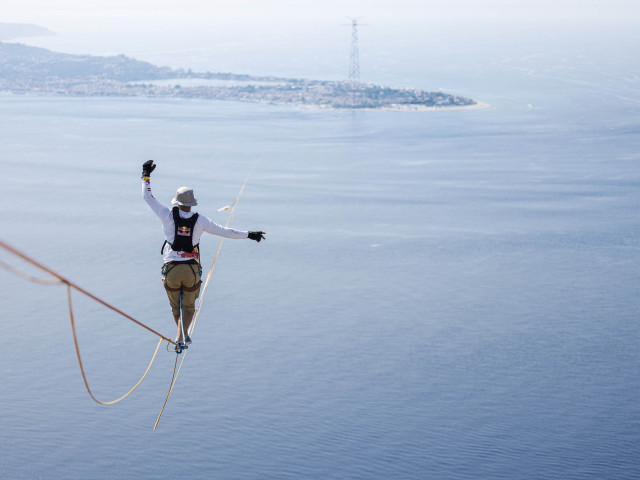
(444, 295)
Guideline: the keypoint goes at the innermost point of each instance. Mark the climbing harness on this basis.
(167, 267)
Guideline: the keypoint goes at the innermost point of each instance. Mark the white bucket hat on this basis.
(184, 197)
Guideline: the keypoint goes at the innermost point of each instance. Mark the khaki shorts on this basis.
(182, 279)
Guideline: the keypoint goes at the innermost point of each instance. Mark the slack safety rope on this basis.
(84, 376)
(176, 372)
(70, 285)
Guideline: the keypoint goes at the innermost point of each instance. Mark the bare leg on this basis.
(177, 320)
(187, 317)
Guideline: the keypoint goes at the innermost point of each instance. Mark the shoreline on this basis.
(396, 108)
(478, 105)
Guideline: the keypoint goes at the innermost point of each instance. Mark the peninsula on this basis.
(10, 31)
(32, 70)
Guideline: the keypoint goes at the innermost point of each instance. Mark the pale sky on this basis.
(47, 12)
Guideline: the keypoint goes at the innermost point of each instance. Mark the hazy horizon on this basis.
(105, 14)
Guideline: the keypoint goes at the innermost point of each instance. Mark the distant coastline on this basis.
(477, 105)
(33, 70)
(10, 31)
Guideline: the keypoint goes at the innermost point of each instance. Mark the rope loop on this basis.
(59, 280)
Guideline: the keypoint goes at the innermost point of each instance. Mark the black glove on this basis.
(257, 236)
(147, 168)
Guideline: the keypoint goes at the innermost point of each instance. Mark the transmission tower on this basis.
(354, 57)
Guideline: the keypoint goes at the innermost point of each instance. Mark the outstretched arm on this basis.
(160, 210)
(213, 228)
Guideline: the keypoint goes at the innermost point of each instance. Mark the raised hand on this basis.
(147, 168)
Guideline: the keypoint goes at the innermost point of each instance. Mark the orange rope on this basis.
(31, 278)
(28, 259)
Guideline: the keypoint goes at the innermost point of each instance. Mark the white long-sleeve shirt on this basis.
(203, 224)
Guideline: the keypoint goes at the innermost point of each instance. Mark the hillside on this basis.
(10, 31)
(20, 62)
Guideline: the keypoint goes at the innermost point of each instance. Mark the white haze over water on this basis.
(218, 12)
(448, 295)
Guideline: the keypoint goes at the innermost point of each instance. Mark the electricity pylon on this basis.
(354, 57)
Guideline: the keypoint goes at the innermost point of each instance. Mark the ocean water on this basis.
(446, 295)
